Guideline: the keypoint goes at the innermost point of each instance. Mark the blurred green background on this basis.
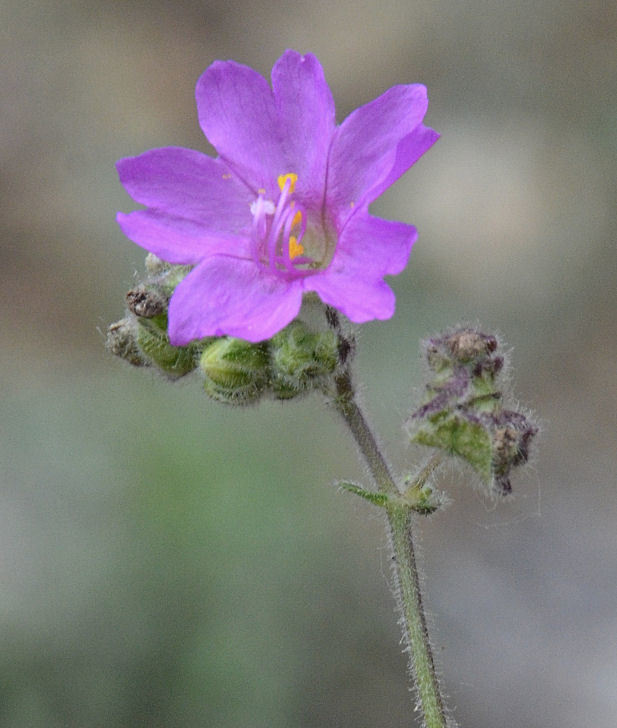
(168, 562)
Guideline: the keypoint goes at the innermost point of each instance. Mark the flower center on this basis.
(279, 233)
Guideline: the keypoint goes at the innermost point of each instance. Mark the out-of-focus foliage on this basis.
(169, 562)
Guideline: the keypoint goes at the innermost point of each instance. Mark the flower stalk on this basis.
(400, 516)
(411, 604)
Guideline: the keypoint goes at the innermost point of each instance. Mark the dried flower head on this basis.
(464, 415)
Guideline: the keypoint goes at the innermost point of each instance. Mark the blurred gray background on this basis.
(168, 562)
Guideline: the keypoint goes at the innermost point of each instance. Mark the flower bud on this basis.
(512, 435)
(142, 338)
(122, 342)
(146, 302)
(175, 361)
(170, 278)
(301, 359)
(155, 265)
(423, 498)
(463, 414)
(235, 371)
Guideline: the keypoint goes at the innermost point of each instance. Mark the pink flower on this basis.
(283, 209)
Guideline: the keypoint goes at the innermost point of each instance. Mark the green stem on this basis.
(401, 523)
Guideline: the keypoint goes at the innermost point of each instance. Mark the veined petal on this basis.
(359, 299)
(176, 239)
(307, 120)
(188, 184)
(409, 150)
(224, 295)
(364, 149)
(372, 247)
(237, 113)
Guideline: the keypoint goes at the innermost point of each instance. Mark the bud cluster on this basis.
(141, 337)
(463, 414)
(295, 361)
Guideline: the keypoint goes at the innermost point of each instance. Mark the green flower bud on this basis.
(463, 414)
(428, 501)
(154, 265)
(420, 496)
(171, 277)
(175, 361)
(301, 359)
(122, 342)
(235, 371)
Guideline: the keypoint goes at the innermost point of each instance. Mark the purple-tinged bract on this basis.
(283, 209)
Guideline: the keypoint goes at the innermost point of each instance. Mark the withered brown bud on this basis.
(145, 302)
(121, 341)
(467, 344)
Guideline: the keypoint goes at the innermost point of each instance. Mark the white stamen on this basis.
(268, 207)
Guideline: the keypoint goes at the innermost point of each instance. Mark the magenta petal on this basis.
(176, 239)
(359, 299)
(238, 115)
(307, 119)
(188, 184)
(409, 150)
(364, 148)
(234, 297)
(370, 247)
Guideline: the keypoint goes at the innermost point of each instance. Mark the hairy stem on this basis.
(401, 523)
